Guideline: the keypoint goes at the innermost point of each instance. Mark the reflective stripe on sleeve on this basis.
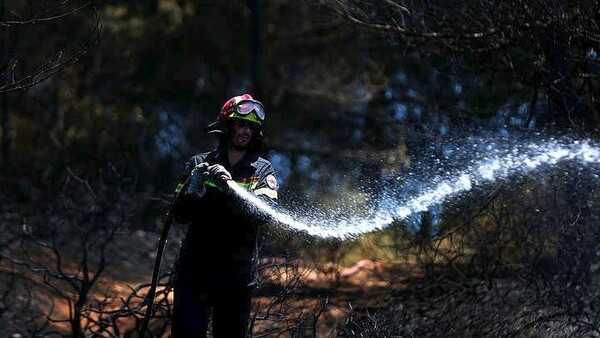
(266, 192)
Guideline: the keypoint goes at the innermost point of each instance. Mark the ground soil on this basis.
(365, 285)
(316, 301)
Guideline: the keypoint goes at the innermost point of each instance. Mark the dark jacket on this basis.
(223, 230)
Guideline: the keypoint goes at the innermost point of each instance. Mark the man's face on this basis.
(241, 133)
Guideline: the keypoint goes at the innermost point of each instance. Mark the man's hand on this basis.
(197, 177)
(219, 175)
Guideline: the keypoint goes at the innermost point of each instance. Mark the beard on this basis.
(239, 144)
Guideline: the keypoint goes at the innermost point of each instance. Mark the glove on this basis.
(219, 175)
(197, 178)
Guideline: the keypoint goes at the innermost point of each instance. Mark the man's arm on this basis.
(267, 190)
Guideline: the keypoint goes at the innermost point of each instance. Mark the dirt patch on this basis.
(295, 296)
(324, 296)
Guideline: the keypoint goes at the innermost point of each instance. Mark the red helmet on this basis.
(243, 107)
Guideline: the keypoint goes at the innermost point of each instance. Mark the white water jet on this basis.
(497, 164)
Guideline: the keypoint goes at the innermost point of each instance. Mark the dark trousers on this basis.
(222, 291)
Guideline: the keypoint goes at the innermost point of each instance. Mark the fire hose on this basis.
(168, 220)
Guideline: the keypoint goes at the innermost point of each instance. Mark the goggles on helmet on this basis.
(243, 108)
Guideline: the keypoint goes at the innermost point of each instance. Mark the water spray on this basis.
(496, 164)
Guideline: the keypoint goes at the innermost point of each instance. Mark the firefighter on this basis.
(216, 270)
